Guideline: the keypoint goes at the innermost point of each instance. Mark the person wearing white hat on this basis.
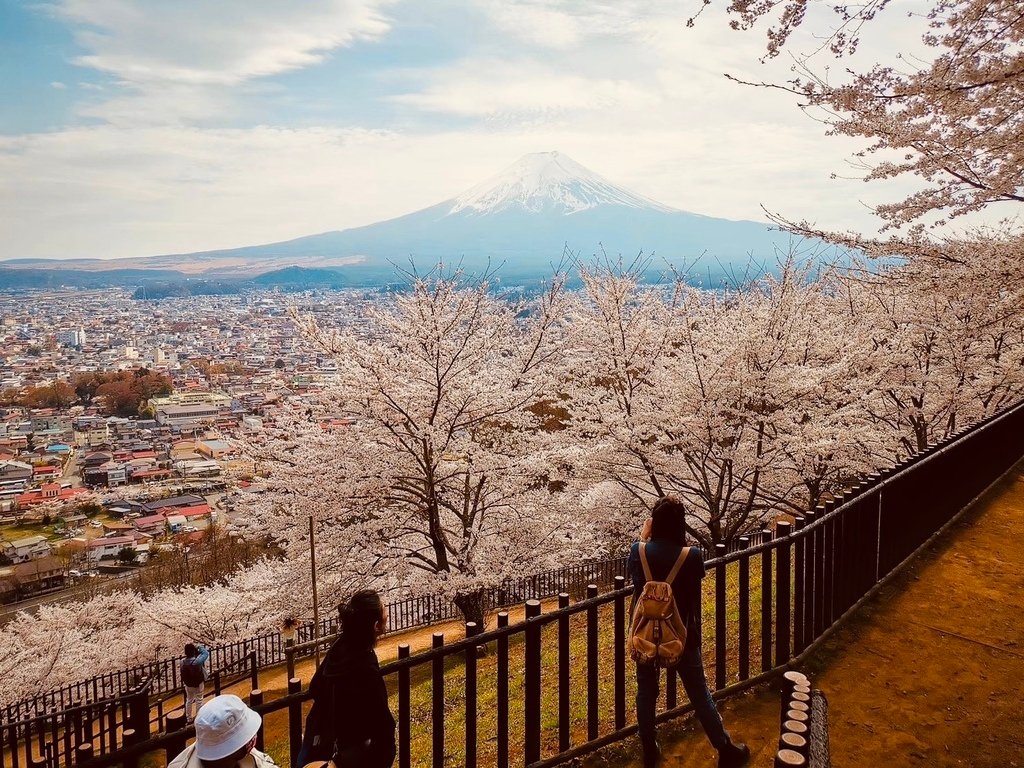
(225, 737)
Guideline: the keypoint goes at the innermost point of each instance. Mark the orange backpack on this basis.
(658, 635)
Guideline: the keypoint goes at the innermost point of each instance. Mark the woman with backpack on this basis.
(664, 557)
(350, 722)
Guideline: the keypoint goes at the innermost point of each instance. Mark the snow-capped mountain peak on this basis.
(548, 182)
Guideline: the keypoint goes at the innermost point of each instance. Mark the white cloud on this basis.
(215, 43)
(495, 88)
(182, 61)
(56, 84)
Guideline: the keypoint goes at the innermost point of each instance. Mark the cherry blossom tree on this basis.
(733, 400)
(953, 121)
(444, 475)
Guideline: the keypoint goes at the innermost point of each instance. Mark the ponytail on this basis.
(359, 617)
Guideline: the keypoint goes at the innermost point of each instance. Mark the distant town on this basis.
(120, 422)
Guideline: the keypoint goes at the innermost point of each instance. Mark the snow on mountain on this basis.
(547, 182)
(522, 219)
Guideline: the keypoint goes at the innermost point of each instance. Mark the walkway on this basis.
(928, 673)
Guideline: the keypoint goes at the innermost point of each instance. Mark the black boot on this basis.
(652, 753)
(733, 755)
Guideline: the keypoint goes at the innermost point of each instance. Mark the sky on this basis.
(143, 127)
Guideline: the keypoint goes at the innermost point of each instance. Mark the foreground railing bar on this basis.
(470, 698)
(531, 687)
(502, 703)
(620, 651)
(592, 672)
(564, 680)
(437, 701)
(720, 629)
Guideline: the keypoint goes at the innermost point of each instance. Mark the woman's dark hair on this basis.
(668, 520)
(359, 617)
(191, 651)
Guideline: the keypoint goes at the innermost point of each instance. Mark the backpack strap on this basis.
(678, 565)
(644, 563)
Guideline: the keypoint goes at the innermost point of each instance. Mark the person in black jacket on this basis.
(350, 721)
(665, 535)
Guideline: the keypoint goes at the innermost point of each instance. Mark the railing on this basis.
(556, 686)
(269, 649)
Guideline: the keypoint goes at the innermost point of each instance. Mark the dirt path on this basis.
(926, 674)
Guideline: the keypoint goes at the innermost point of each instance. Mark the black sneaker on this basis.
(733, 755)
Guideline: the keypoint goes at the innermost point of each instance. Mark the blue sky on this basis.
(138, 127)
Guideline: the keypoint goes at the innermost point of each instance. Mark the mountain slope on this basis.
(522, 218)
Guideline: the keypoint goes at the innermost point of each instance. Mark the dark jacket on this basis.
(350, 708)
(661, 555)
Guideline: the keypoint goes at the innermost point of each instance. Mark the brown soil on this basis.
(926, 673)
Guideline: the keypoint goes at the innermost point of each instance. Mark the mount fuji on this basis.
(521, 220)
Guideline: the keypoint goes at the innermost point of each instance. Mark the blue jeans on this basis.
(691, 672)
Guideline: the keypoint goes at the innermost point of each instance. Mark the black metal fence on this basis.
(556, 685)
(269, 649)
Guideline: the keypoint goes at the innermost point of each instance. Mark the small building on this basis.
(154, 525)
(109, 547)
(26, 549)
(15, 470)
(165, 506)
(48, 493)
(213, 449)
(24, 579)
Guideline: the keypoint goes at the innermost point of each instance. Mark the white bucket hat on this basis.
(224, 725)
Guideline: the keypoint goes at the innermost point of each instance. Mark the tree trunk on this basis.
(472, 606)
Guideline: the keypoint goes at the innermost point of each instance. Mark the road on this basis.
(97, 585)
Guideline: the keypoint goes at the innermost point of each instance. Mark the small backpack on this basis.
(192, 674)
(657, 634)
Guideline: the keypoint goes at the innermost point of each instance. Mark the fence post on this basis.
(799, 589)
(130, 737)
(720, 635)
(782, 595)
(592, 687)
(619, 583)
(766, 603)
(531, 686)
(744, 610)
(256, 700)
(404, 711)
(437, 703)
(289, 656)
(563, 675)
(501, 718)
(471, 715)
(138, 709)
(176, 725)
(254, 670)
(294, 722)
(83, 753)
(820, 555)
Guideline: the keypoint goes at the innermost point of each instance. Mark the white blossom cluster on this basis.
(472, 437)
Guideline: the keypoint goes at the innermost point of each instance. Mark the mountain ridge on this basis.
(523, 218)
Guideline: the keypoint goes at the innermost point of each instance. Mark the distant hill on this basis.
(522, 219)
(59, 277)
